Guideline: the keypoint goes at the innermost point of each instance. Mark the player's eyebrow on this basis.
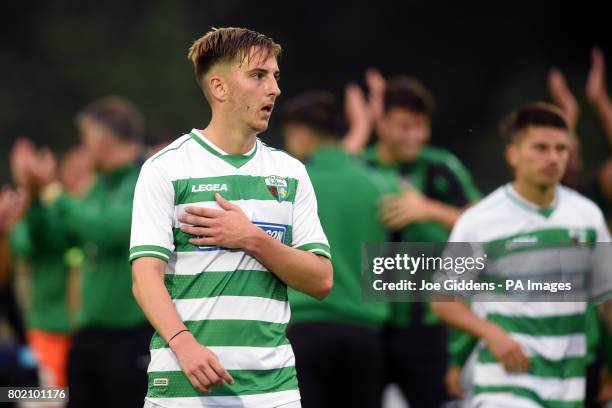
(265, 72)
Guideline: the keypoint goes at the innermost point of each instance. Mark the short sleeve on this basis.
(461, 231)
(462, 184)
(462, 245)
(152, 216)
(307, 233)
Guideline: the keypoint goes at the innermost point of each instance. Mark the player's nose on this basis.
(274, 88)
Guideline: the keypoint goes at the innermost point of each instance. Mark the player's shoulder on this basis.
(439, 157)
(170, 152)
(281, 158)
(480, 216)
(369, 154)
(489, 206)
(436, 155)
(578, 202)
(169, 160)
(380, 178)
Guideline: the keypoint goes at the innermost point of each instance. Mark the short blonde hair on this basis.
(226, 44)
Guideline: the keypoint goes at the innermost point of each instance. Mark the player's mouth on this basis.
(267, 109)
(551, 171)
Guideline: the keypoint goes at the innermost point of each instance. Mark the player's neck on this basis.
(385, 154)
(120, 156)
(229, 136)
(542, 196)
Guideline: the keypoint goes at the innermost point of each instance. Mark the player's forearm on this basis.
(5, 259)
(605, 314)
(445, 214)
(357, 137)
(604, 110)
(460, 346)
(152, 296)
(301, 270)
(106, 226)
(460, 316)
(20, 240)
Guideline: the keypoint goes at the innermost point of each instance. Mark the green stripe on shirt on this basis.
(242, 333)
(234, 187)
(319, 249)
(539, 239)
(529, 394)
(541, 326)
(149, 250)
(570, 367)
(247, 382)
(240, 282)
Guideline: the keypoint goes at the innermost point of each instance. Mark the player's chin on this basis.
(548, 179)
(409, 155)
(260, 125)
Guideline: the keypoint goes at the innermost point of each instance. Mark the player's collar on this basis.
(528, 205)
(236, 160)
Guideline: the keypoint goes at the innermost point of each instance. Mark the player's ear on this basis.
(218, 87)
(427, 134)
(511, 155)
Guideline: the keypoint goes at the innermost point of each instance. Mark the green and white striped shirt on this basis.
(228, 300)
(517, 235)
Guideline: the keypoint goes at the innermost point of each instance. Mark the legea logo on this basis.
(208, 187)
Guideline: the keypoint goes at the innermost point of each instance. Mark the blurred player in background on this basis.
(598, 96)
(437, 189)
(462, 345)
(342, 332)
(109, 353)
(530, 353)
(42, 247)
(13, 204)
(17, 364)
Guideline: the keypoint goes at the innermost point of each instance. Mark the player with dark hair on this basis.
(342, 332)
(530, 353)
(437, 188)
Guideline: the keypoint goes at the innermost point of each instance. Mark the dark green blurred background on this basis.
(56, 56)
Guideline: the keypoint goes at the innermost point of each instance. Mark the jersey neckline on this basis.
(528, 205)
(235, 160)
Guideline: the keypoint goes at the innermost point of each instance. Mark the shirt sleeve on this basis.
(107, 225)
(307, 233)
(461, 231)
(153, 214)
(463, 190)
(460, 346)
(21, 244)
(461, 245)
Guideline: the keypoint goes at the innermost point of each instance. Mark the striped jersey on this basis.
(551, 334)
(229, 301)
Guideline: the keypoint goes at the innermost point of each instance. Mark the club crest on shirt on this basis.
(578, 235)
(278, 186)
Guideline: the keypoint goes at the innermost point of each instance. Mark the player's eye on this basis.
(540, 147)
(258, 75)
